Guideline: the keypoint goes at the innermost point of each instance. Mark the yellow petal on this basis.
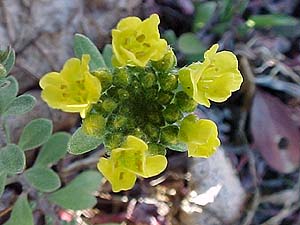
(52, 78)
(119, 179)
(154, 165)
(129, 23)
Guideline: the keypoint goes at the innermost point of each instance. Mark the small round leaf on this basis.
(54, 149)
(43, 179)
(12, 159)
(36, 133)
(81, 143)
(20, 105)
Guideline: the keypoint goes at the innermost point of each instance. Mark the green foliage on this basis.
(21, 213)
(271, 20)
(81, 143)
(12, 159)
(107, 55)
(54, 149)
(189, 43)
(35, 133)
(204, 12)
(20, 105)
(2, 182)
(83, 45)
(171, 38)
(78, 194)
(43, 179)
(7, 60)
(8, 91)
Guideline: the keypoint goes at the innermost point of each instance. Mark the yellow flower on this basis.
(201, 136)
(128, 161)
(74, 89)
(214, 79)
(119, 178)
(136, 42)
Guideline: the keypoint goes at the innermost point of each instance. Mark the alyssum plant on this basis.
(137, 103)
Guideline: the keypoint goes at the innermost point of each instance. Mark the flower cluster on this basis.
(144, 104)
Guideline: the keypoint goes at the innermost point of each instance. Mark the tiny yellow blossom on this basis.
(200, 136)
(214, 79)
(130, 160)
(119, 179)
(74, 89)
(136, 42)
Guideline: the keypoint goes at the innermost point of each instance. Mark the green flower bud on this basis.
(185, 102)
(148, 80)
(171, 113)
(156, 149)
(113, 140)
(136, 87)
(119, 122)
(151, 93)
(139, 133)
(109, 105)
(168, 82)
(168, 62)
(164, 97)
(123, 94)
(121, 78)
(152, 131)
(105, 78)
(94, 125)
(169, 135)
(156, 118)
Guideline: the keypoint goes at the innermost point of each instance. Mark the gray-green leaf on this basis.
(54, 149)
(78, 194)
(21, 213)
(204, 12)
(83, 45)
(8, 91)
(9, 62)
(81, 143)
(2, 182)
(107, 55)
(271, 20)
(179, 147)
(20, 105)
(43, 179)
(12, 159)
(188, 43)
(35, 133)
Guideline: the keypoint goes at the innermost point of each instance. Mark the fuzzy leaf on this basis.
(188, 43)
(179, 147)
(12, 159)
(20, 105)
(107, 55)
(21, 213)
(83, 45)
(35, 133)
(204, 12)
(54, 149)
(81, 143)
(78, 194)
(271, 20)
(9, 62)
(43, 179)
(8, 91)
(2, 182)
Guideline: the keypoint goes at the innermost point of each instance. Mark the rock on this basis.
(41, 31)
(217, 196)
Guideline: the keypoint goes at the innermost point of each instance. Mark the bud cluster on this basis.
(142, 102)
